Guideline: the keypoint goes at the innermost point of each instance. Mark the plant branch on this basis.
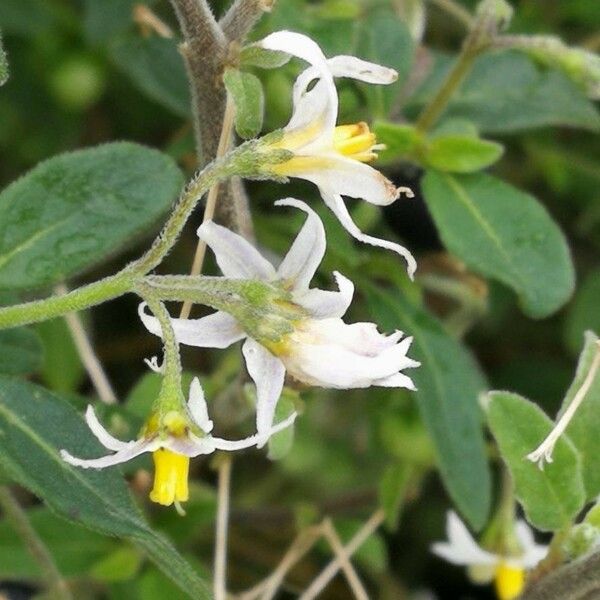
(17, 517)
(579, 580)
(456, 10)
(90, 360)
(223, 494)
(211, 200)
(242, 16)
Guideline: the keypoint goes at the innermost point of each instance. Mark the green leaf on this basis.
(247, 94)
(74, 548)
(551, 498)
(63, 370)
(106, 19)
(506, 92)
(34, 425)
(255, 56)
(449, 383)
(400, 140)
(583, 313)
(503, 233)
(281, 443)
(392, 490)
(74, 210)
(461, 154)
(3, 64)
(156, 67)
(384, 39)
(585, 425)
(120, 565)
(20, 351)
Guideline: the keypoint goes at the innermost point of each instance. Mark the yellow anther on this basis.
(170, 477)
(509, 581)
(355, 141)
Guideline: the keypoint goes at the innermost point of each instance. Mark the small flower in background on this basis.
(506, 571)
(173, 437)
(333, 158)
(320, 348)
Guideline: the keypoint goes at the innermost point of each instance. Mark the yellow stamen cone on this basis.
(509, 581)
(170, 477)
(355, 141)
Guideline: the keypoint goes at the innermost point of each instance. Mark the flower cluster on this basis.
(314, 345)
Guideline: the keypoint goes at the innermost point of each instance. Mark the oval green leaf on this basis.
(448, 383)
(551, 498)
(20, 351)
(74, 210)
(247, 94)
(461, 153)
(34, 425)
(503, 233)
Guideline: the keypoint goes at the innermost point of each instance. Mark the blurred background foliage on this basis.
(92, 71)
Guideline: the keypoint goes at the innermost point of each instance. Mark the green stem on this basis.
(14, 513)
(55, 306)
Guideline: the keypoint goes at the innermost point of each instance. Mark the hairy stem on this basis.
(241, 17)
(223, 494)
(17, 517)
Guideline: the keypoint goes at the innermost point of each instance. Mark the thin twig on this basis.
(90, 360)
(211, 200)
(220, 585)
(338, 548)
(330, 571)
(17, 517)
(242, 16)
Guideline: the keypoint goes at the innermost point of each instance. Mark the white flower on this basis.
(508, 572)
(322, 350)
(173, 438)
(334, 158)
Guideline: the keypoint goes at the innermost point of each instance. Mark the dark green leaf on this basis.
(63, 370)
(392, 490)
(461, 153)
(74, 548)
(120, 565)
(584, 312)
(20, 351)
(27, 17)
(503, 233)
(448, 383)
(247, 94)
(551, 497)
(585, 425)
(106, 19)
(384, 39)
(156, 68)
(72, 211)
(255, 56)
(506, 92)
(34, 426)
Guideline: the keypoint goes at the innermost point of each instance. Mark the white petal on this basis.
(307, 251)
(253, 440)
(296, 44)
(322, 304)
(461, 548)
(235, 256)
(311, 127)
(334, 173)
(268, 373)
(399, 380)
(336, 204)
(132, 450)
(218, 330)
(197, 407)
(191, 446)
(105, 438)
(355, 68)
(533, 553)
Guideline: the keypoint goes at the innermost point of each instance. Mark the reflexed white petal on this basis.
(218, 330)
(132, 450)
(307, 251)
(356, 68)
(236, 257)
(322, 304)
(190, 446)
(296, 44)
(533, 553)
(399, 380)
(105, 438)
(268, 373)
(253, 440)
(313, 119)
(336, 174)
(336, 204)
(461, 548)
(197, 407)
